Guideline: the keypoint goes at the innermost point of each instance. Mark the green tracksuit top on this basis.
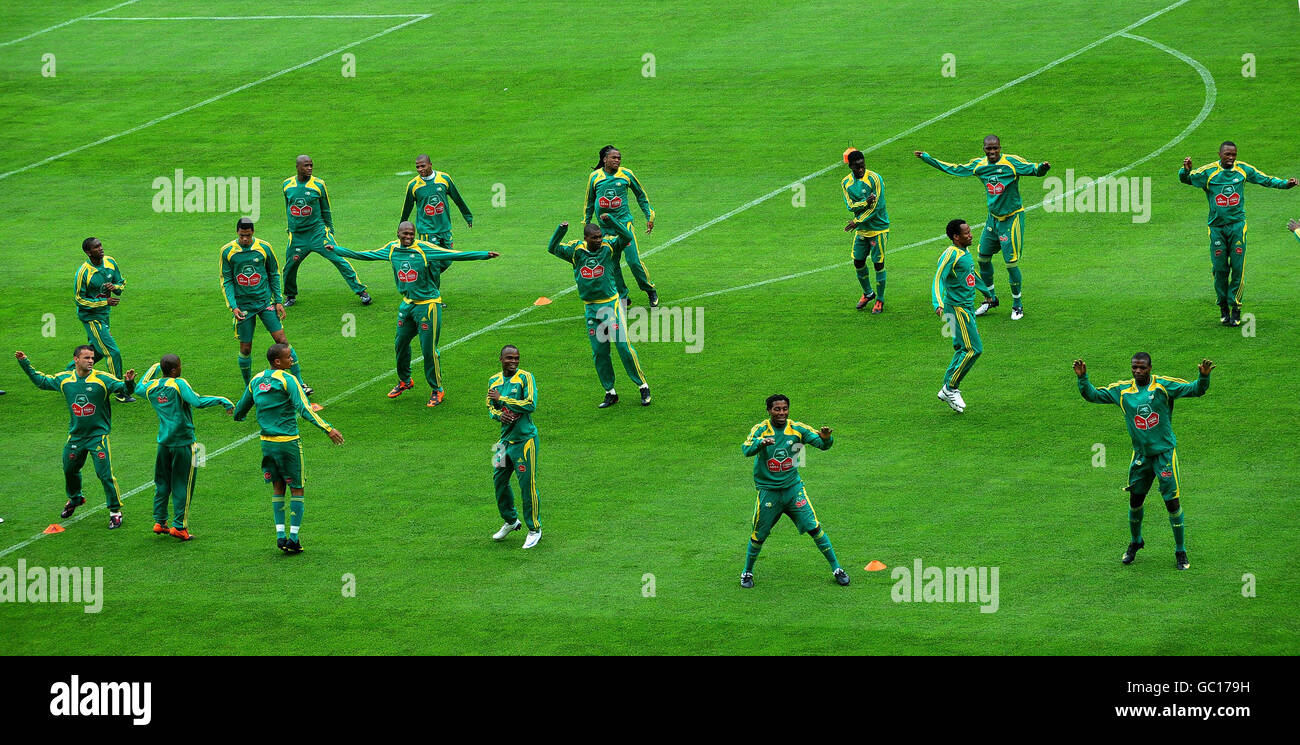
(955, 280)
(416, 269)
(593, 271)
(173, 400)
(428, 197)
(607, 193)
(307, 205)
(91, 297)
(1001, 179)
(250, 277)
(1148, 411)
(519, 394)
(774, 466)
(1225, 189)
(279, 398)
(90, 411)
(872, 220)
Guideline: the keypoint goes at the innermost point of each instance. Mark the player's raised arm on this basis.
(1199, 177)
(560, 249)
(952, 169)
(1256, 176)
(38, 378)
(818, 438)
(1025, 168)
(149, 374)
(1178, 388)
(460, 203)
(607, 220)
(1107, 395)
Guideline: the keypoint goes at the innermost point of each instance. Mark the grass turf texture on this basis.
(523, 95)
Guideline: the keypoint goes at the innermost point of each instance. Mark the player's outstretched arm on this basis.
(377, 255)
(556, 247)
(39, 379)
(189, 396)
(443, 254)
(952, 169)
(1183, 389)
(299, 398)
(1256, 176)
(1107, 395)
(820, 438)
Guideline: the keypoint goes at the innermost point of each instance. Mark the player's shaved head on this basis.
(422, 158)
(302, 159)
(591, 229)
(89, 243)
(277, 353)
(171, 365)
(244, 223)
(1227, 143)
(506, 347)
(991, 139)
(405, 225)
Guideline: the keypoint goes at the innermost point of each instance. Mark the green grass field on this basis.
(515, 99)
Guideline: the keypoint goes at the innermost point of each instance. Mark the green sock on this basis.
(277, 506)
(246, 368)
(986, 274)
(1135, 524)
(880, 286)
(1013, 272)
(296, 506)
(1176, 522)
(294, 368)
(823, 542)
(864, 279)
(751, 555)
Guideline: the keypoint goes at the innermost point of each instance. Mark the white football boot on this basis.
(533, 537)
(506, 530)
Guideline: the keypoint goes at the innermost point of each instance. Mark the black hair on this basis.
(1143, 356)
(170, 363)
(600, 161)
(275, 351)
(244, 223)
(78, 349)
(777, 397)
(591, 228)
(86, 244)
(856, 155)
(954, 227)
(1226, 143)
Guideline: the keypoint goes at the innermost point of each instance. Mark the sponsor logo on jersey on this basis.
(611, 200)
(1145, 418)
(1227, 200)
(248, 278)
(162, 398)
(1218, 252)
(99, 454)
(970, 280)
(81, 406)
(521, 468)
(263, 387)
(406, 273)
(424, 326)
(300, 209)
(1166, 473)
(266, 475)
(801, 502)
(995, 188)
(591, 332)
(780, 461)
(435, 209)
(1238, 249)
(592, 272)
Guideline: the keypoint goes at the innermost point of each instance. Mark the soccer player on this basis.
(310, 227)
(607, 189)
(774, 443)
(1005, 228)
(250, 277)
(277, 394)
(428, 192)
(1224, 182)
(99, 286)
(417, 267)
(864, 196)
(1147, 402)
(173, 472)
(511, 400)
(593, 262)
(91, 417)
(955, 282)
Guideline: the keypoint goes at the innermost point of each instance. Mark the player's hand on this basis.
(114, 300)
(870, 200)
(336, 436)
(1080, 369)
(917, 153)
(19, 355)
(650, 224)
(494, 395)
(938, 312)
(1187, 163)
(279, 311)
(508, 416)
(1292, 224)
(1290, 183)
(606, 217)
(230, 410)
(768, 441)
(852, 224)
(1205, 367)
(493, 254)
(239, 314)
(130, 375)
(824, 432)
(329, 246)
(1046, 167)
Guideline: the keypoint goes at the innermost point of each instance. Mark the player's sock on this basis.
(823, 542)
(277, 506)
(246, 368)
(864, 279)
(1013, 272)
(296, 506)
(751, 555)
(294, 368)
(1176, 522)
(880, 286)
(986, 274)
(1135, 524)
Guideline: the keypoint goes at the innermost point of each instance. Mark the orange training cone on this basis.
(542, 301)
(54, 528)
(875, 566)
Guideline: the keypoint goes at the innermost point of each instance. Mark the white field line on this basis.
(677, 239)
(86, 17)
(213, 99)
(246, 18)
